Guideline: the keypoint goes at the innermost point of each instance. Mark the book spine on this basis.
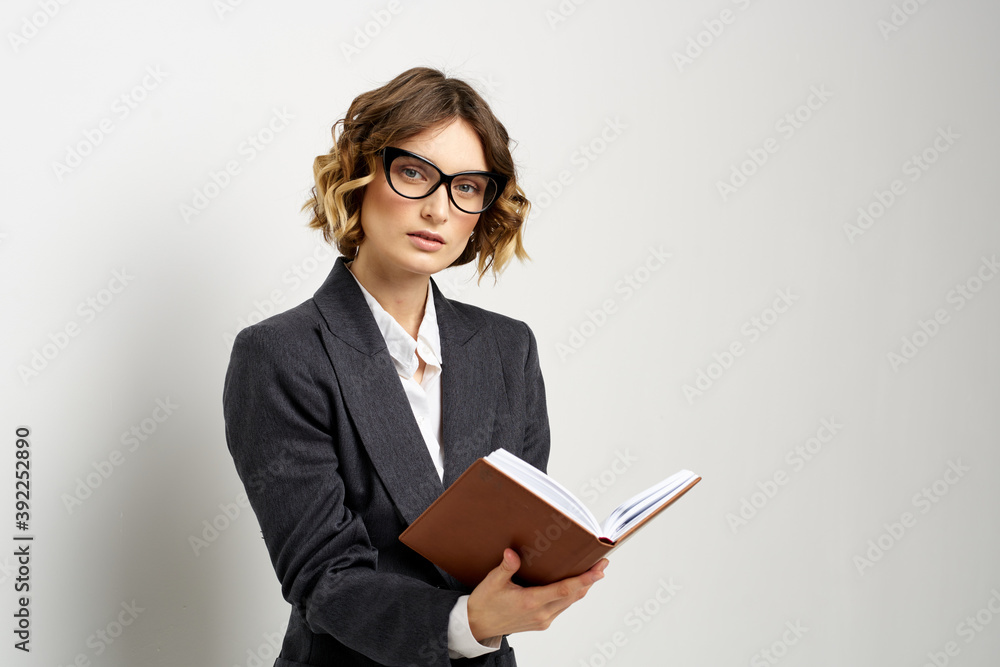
(589, 558)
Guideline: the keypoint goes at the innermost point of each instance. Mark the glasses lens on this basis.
(411, 177)
(473, 192)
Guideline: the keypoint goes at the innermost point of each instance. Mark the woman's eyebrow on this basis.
(436, 164)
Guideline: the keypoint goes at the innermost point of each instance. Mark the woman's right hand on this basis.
(498, 606)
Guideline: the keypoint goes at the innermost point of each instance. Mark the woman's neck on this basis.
(403, 297)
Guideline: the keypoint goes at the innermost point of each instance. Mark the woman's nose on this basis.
(436, 204)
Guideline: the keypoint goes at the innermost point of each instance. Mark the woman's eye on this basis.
(411, 173)
(467, 188)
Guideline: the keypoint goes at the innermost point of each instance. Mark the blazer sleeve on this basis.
(536, 424)
(277, 408)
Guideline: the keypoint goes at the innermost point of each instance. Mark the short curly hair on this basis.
(417, 99)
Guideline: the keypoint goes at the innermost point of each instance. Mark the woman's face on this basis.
(404, 236)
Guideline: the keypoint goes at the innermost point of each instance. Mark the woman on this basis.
(349, 414)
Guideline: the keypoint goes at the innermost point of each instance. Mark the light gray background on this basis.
(558, 75)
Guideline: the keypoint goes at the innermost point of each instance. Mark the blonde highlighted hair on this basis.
(417, 99)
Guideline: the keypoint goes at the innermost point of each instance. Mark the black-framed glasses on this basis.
(415, 177)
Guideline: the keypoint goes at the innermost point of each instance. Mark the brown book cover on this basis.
(465, 531)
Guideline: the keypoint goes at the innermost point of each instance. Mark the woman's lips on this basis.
(426, 241)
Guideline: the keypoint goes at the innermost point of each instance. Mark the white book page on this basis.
(640, 506)
(545, 487)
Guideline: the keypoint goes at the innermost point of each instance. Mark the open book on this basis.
(502, 501)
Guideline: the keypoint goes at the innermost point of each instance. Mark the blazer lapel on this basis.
(374, 395)
(471, 384)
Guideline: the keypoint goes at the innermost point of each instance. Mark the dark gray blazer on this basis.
(335, 467)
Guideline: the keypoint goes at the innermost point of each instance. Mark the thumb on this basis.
(509, 565)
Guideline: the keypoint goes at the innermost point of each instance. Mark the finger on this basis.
(597, 572)
(590, 577)
(509, 565)
(566, 599)
(567, 589)
(511, 562)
